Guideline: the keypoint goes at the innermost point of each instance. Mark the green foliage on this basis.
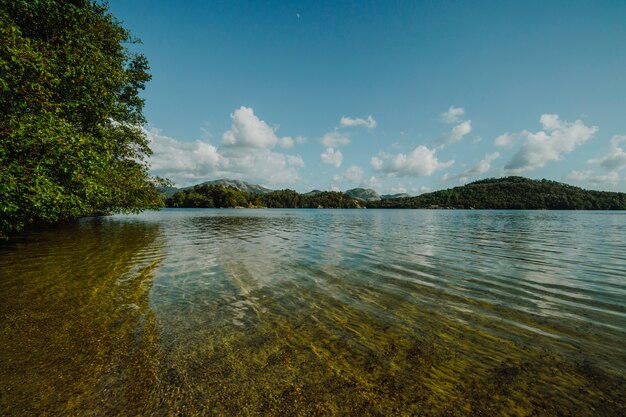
(223, 197)
(71, 144)
(325, 199)
(208, 196)
(512, 193)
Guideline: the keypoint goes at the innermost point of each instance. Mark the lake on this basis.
(316, 312)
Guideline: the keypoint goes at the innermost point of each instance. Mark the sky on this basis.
(398, 96)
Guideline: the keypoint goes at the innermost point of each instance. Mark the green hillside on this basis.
(217, 196)
(512, 193)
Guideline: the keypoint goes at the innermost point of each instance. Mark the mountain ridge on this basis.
(363, 194)
(238, 184)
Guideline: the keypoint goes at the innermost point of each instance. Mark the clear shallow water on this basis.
(317, 312)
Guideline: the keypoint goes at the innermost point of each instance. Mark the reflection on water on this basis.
(316, 312)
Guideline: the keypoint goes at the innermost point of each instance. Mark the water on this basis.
(316, 312)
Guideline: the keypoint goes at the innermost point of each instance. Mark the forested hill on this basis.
(512, 193)
(218, 196)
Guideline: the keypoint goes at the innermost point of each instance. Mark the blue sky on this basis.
(399, 96)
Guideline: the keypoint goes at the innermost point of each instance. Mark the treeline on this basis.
(495, 193)
(216, 196)
(512, 193)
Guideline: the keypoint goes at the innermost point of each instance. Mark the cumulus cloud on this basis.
(335, 139)
(615, 159)
(246, 152)
(354, 174)
(286, 142)
(372, 182)
(182, 161)
(456, 134)
(421, 162)
(482, 167)
(398, 190)
(557, 138)
(591, 177)
(504, 141)
(369, 123)
(453, 115)
(332, 156)
(266, 166)
(248, 131)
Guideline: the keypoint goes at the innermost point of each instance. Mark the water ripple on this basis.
(390, 312)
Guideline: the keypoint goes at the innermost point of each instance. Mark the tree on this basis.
(71, 141)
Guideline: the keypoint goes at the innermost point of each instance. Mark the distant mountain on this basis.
(312, 193)
(512, 193)
(390, 196)
(363, 194)
(168, 191)
(244, 186)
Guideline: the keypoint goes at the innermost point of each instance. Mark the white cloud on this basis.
(332, 156)
(504, 141)
(369, 123)
(456, 134)
(246, 153)
(398, 190)
(453, 114)
(615, 159)
(354, 174)
(372, 182)
(558, 138)
(182, 161)
(483, 166)
(421, 162)
(266, 166)
(206, 135)
(248, 131)
(335, 139)
(589, 176)
(286, 142)
(295, 161)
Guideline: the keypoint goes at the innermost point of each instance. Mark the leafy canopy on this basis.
(223, 197)
(71, 142)
(512, 193)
